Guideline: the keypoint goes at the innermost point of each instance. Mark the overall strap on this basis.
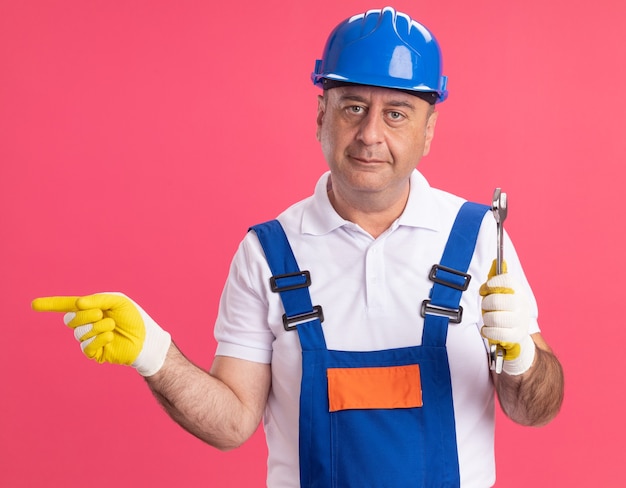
(450, 276)
(292, 285)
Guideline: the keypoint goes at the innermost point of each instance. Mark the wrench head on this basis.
(499, 205)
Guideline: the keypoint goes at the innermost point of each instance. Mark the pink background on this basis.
(140, 139)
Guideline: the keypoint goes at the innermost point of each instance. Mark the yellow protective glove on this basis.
(112, 328)
(506, 315)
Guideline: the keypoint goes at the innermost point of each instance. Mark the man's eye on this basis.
(395, 115)
(355, 109)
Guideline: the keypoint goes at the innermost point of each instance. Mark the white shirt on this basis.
(371, 291)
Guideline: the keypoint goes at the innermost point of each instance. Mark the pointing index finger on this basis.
(55, 304)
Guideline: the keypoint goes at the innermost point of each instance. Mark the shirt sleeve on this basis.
(241, 329)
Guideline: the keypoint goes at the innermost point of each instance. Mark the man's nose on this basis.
(371, 129)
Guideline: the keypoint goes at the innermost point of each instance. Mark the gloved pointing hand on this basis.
(112, 328)
(506, 315)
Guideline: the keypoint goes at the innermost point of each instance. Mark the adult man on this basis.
(372, 386)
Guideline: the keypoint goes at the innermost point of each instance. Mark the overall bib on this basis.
(379, 419)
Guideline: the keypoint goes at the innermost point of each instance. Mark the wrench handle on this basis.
(500, 208)
(496, 350)
(500, 249)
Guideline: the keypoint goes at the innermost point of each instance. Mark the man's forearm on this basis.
(535, 397)
(202, 404)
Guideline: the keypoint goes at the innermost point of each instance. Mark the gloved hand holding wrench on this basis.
(506, 310)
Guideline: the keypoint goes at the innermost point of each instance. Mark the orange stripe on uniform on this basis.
(374, 388)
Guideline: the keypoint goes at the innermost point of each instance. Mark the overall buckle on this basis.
(293, 284)
(455, 315)
(450, 281)
(294, 281)
(290, 323)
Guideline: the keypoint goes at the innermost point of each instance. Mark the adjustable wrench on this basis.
(499, 207)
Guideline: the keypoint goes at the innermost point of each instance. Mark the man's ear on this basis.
(429, 133)
(321, 110)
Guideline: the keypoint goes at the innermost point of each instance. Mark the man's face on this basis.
(373, 138)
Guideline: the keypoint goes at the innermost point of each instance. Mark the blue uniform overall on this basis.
(380, 419)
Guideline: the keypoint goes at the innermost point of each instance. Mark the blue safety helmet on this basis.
(382, 48)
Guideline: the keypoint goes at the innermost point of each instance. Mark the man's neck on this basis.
(373, 213)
